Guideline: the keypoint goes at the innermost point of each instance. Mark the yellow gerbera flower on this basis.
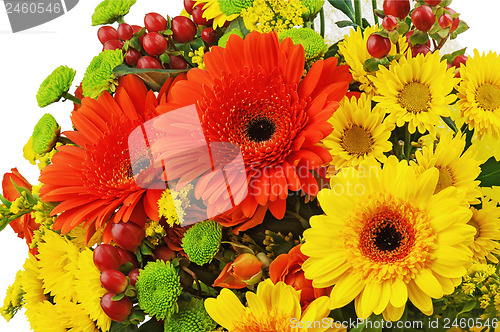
(212, 10)
(353, 49)
(359, 133)
(387, 238)
(456, 167)
(416, 91)
(89, 289)
(58, 261)
(272, 308)
(479, 93)
(486, 221)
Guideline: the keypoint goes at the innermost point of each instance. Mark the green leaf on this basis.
(345, 6)
(154, 78)
(5, 202)
(419, 37)
(394, 36)
(462, 27)
(450, 123)
(343, 24)
(238, 24)
(490, 173)
(402, 28)
(445, 3)
(196, 44)
(443, 33)
(118, 297)
(120, 327)
(332, 51)
(151, 325)
(135, 43)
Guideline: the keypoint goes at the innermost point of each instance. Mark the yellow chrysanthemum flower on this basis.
(416, 91)
(479, 93)
(89, 289)
(353, 49)
(44, 317)
(486, 221)
(386, 238)
(359, 133)
(58, 259)
(33, 287)
(76, 318)
(456, 167)
(272, 308)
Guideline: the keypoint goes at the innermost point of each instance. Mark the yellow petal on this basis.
(225, 309)
(399, 293)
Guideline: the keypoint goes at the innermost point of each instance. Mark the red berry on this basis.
(128, 235)
(114, 281)
(459, 60)
(390, 22)
(433, 2)
(455, 24)
(423, 18)
(445, 21)
(106, 257)
(183, 29)
(154, 22)
(133, 275)
(116, 310)
(154, 43)
(208, 35)
(198, 16)
(398, 8)
(378, 46)
(114, 44)
(420, 49)
(148, 62)
(136, 28)
(178, 62)
(132, 57)
(410, 33)
(188, 5)
(125, 31)
(127, 257)
(106, 33)
(164, 253)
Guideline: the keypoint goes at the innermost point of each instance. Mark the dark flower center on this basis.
(387, 238)
(260, 130)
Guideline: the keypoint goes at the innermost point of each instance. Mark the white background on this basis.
(26, 58)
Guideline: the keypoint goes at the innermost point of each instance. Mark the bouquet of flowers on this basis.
(230, 168)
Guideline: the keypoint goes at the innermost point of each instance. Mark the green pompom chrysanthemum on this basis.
(55, 85)
(45, 134)
(223, 40)
(313, 7)
(110, 11)
(192, 317)
(99, 76)
(234, 6)
(314, 45)
(201, 242)
(158, 287)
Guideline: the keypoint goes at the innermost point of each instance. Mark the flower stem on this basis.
(374, 6)
(322, 22)
(357, 13)
(69, 96)
(407, 145)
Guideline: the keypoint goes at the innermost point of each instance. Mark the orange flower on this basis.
(288, 268)
(252, 95)
(245, 270)
(25, 225)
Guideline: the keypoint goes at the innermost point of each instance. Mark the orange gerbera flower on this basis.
(93, 181)
(252, 95)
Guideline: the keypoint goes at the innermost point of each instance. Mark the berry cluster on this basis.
(426, 28)
(159, 44)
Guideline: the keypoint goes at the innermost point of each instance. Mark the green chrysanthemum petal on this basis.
(234, 6)
(110, 11)
(192, 317)
(158, 287)
(99, 75)
(223, 40)
(201, 242)
(55, 85)
(314, 45)
(313, 7)
(45, 134)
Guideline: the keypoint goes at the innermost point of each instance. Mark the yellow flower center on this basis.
(415, 97)
(445, 179)
(475, 224)
(357, 141)
(387, 238)
(270, 322)
(488, 97)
